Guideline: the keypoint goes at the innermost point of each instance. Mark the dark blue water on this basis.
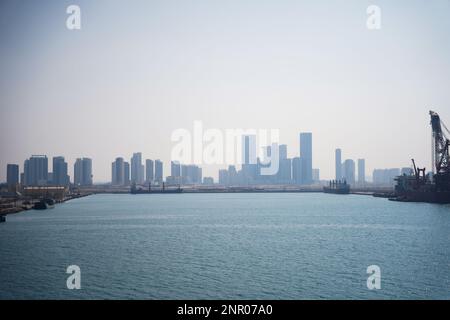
(227, 246)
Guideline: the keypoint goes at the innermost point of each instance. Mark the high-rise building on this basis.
(233, 178)
(175, 169)
(282, 151)
(83, 172)
(306, 157)
(385, 177)
(191, 174)
(223, 177)
(12, 175)
(118, 172)
(349, 171)
(296, 170)
(361, 171)
(137, 169)
(338, 163)
(36, 171)
(284, 175)
(88, 177)
(60, 176)
(158, 171)
(249, 149)
(126, 173)
(149, 171)
(78, 172)
(25, 175)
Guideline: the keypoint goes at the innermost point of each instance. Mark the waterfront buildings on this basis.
(12, 175)
(296, 170)
(60, 176)
(361, 172)
(306, 157)
(249, 149)
(338, 164)
(175, 169)
(118, 172)
(137, 169)
(126, 173)
(83, 172)
(223, 177)
(385, 177)
(158, 171)
(149, 171)
(191, 174)
(36, 171)
(348, 173)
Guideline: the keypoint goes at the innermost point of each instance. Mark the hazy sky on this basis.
(137, 70)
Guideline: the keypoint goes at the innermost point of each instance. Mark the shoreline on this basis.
(26, 207)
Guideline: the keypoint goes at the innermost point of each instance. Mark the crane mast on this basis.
(440, 145)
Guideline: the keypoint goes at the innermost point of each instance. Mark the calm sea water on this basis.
(227, 246)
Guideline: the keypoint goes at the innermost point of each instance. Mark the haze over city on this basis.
(140, 70)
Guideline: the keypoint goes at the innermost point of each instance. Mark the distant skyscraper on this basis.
(191, 174)
(36, 171)
(284, 175)
(137, 169)
(26, 173)
(296, 170)
(338, 164)
(158, 171)
(12, 175)
(306, 157)
(78, 172)
(126, 173)
(60, 176)
(349, 171)
(361, 171)
(175, 169)
(118, 172)
(223, 177)
(83, 172)
(249, 149)
(232, 176)
(149, 170)
(282, 151)
(385, 177)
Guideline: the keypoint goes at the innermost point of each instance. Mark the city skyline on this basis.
(215, 65)
(293, 170)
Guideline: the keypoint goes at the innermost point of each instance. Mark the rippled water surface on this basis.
(227, 246)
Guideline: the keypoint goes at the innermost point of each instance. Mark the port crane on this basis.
(440, 152)
(440, 145)
(434, 188)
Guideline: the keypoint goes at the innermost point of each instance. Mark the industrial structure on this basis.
(434, 187)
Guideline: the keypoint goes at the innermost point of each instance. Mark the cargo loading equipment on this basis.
(434, 187)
